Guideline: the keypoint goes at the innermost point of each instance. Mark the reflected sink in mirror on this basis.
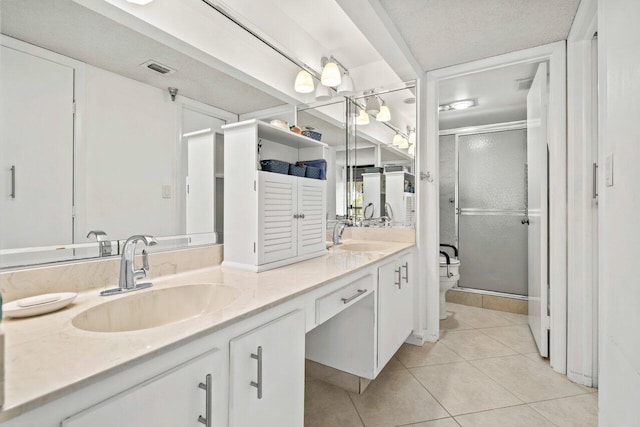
(155, 308)
(363, 247)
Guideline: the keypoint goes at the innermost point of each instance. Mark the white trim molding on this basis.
(555, 54)
(582, 250)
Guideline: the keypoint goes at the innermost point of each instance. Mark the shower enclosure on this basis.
(483, 196)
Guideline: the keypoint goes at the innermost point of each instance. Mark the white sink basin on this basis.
(363, 247)
(154, 308)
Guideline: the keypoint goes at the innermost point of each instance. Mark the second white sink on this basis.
(154, 308)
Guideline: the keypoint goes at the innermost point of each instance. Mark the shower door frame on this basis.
(476, 130)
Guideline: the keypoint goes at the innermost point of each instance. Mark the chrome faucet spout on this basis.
(128, 273)
(338, 230)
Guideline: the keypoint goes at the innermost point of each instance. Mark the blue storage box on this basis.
(314, 173)
(297, 170)
(277, 166)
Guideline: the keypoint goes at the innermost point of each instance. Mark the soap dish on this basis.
(39, 304)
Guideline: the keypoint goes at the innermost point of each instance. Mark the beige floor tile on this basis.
(462, 389)
(328, 406)
(517, 337)
(413, 356)
(478, 317)
(395, 364)
(474, 344)
(445, 422)
(452, 323)
(396, 398)
(516, 416)
(578, 411)
(527, 379)
(517, 319)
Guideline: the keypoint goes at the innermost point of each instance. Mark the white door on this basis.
(395, 309)
(267, 374)
(277, 227)
(200, 184)
(36, 166)
(312, 208)
(171, 399)
(537, 165)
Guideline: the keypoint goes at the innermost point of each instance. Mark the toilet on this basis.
(449, 275)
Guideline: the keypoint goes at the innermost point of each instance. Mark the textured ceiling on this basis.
(441, 33)
(72, 30)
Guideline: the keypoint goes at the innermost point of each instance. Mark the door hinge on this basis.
(254, 247)
(73, 107)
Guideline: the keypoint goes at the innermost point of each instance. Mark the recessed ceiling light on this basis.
(463, 105)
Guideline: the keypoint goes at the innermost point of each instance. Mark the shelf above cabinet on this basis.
(276, 134)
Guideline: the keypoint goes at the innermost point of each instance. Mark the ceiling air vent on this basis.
(158, 68)
(524, 84)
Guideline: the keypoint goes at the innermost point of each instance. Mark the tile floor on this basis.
(484, 371)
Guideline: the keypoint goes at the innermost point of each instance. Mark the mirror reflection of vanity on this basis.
(96, 148)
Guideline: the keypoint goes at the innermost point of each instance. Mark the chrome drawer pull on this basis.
(406, 272)
(258, 384)
(13, 182)
(352, 297)
(399, 282)
(207, 388)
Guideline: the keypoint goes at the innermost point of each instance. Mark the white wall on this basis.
(129, 145)
(619, 71)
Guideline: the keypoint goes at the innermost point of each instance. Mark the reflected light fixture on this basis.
(397, 139)
(346, 87)
(412, 150)
(373, 105)
(323, 93)
(412, 135)
(384, 115)
(463, 104)
(304, 82)
(330, 73)
(363, 118)
(403, 143)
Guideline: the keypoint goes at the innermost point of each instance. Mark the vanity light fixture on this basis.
(346, 87)
(373, 105)
(397, 139)
(323, 93)
(403, 143)
(362, 119)
(384, 115)
(330, 73)
(412, 135)
(304, 82)
(412, 150)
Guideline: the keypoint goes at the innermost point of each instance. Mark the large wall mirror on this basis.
(131, 157)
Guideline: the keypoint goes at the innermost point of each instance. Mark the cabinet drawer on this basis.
(333, 303)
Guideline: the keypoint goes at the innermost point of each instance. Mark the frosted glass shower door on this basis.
(492, 200)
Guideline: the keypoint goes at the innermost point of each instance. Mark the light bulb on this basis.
(397, 139)
(304, 82)
(331, 75)
(363, 118)
(385, 114)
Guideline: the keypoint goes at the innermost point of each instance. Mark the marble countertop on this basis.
(47, 357)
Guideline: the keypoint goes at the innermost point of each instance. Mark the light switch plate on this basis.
(609, 171)
(166, 191)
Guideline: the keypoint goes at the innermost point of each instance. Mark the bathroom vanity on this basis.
(233, 353)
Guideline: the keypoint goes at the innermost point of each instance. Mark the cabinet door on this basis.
(277, 228)
(395, 310)
(267, 374)
(168, 400)
(312, 210)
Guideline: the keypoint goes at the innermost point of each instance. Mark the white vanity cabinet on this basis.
(271, 219)
(182, 396)
(395, 307)
(291, 217)
(266, 382)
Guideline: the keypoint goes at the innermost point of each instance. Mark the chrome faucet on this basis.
(338, 229)
(104, 244)
(128, 272)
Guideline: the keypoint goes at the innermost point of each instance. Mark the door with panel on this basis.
(183, 396)
(312, 208)
(395, 308)
(266, 383)
(36, 130)
(537, 160)
(277, 220)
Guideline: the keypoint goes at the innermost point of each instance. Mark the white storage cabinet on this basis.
(271, 219)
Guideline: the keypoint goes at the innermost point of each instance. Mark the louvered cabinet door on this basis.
(277, 227)
(312, 210)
